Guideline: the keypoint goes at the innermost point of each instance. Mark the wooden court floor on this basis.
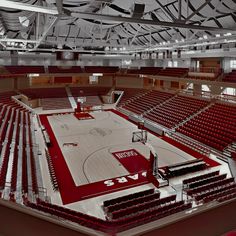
(90, 159)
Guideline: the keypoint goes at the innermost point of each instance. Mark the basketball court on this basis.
(96, 156)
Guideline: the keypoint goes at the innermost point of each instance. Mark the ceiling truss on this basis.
(114, 30)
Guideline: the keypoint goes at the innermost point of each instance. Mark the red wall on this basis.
(213, 222)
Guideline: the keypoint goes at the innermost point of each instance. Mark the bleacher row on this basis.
(171, 110)
(230, 77)
(215, 126)
(56, 69)
(51, 171)
(175, 110)
(131, 202)
(130, 94)
(169, 71)
(57, 98)
(175, 72)
(35, 93)
(211, 186)
(89, 91)
(163, 108)
(135, 209)
(147, 101)
(55, 103)
(122, 213)
(61, 92)
(144, 70)
(17, 164)
(202, 78)
(142, 207)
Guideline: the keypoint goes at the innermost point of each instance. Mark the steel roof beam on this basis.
(166, 10)
(28, 7)
(103, 17)
(197, 10)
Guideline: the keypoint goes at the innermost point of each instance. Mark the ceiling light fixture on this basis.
(228, 34)
(24, 21)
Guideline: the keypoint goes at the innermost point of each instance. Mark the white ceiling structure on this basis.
(114, 25)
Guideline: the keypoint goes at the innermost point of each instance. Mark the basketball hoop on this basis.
(139, 136)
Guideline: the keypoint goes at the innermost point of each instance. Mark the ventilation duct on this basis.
(2, 28)
(138, 10)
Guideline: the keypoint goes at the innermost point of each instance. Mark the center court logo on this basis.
(125, 154)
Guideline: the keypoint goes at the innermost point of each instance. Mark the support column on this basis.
(14, 58)
(197, 89)
(179, 10)
(216, 90)
(166, 84)
(106, 62)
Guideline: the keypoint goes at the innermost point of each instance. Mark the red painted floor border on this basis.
(193, 153)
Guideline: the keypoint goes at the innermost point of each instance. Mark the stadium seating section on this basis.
(17, 158)
(211, 186)
(175, 110)
(170, 110)
(89, 91)
(51, 171)
(141, 209)
(161, 107)
(146, 101)
(169, 71)
(214, 127)
(174, 72)
(19, 166)
(55, 103)
(145, 70)
(64, 70)
(230, 77)
(101, 69)
(130, 94)
(201, 78)
(25, 69)
(36, 93)
(51, 98)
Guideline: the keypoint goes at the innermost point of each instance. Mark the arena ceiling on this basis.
(114, 25)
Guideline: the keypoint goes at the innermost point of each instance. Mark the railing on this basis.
(227, 98)
(203, 94)
(206, 69)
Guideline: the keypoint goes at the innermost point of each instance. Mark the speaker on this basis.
(138, 10)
